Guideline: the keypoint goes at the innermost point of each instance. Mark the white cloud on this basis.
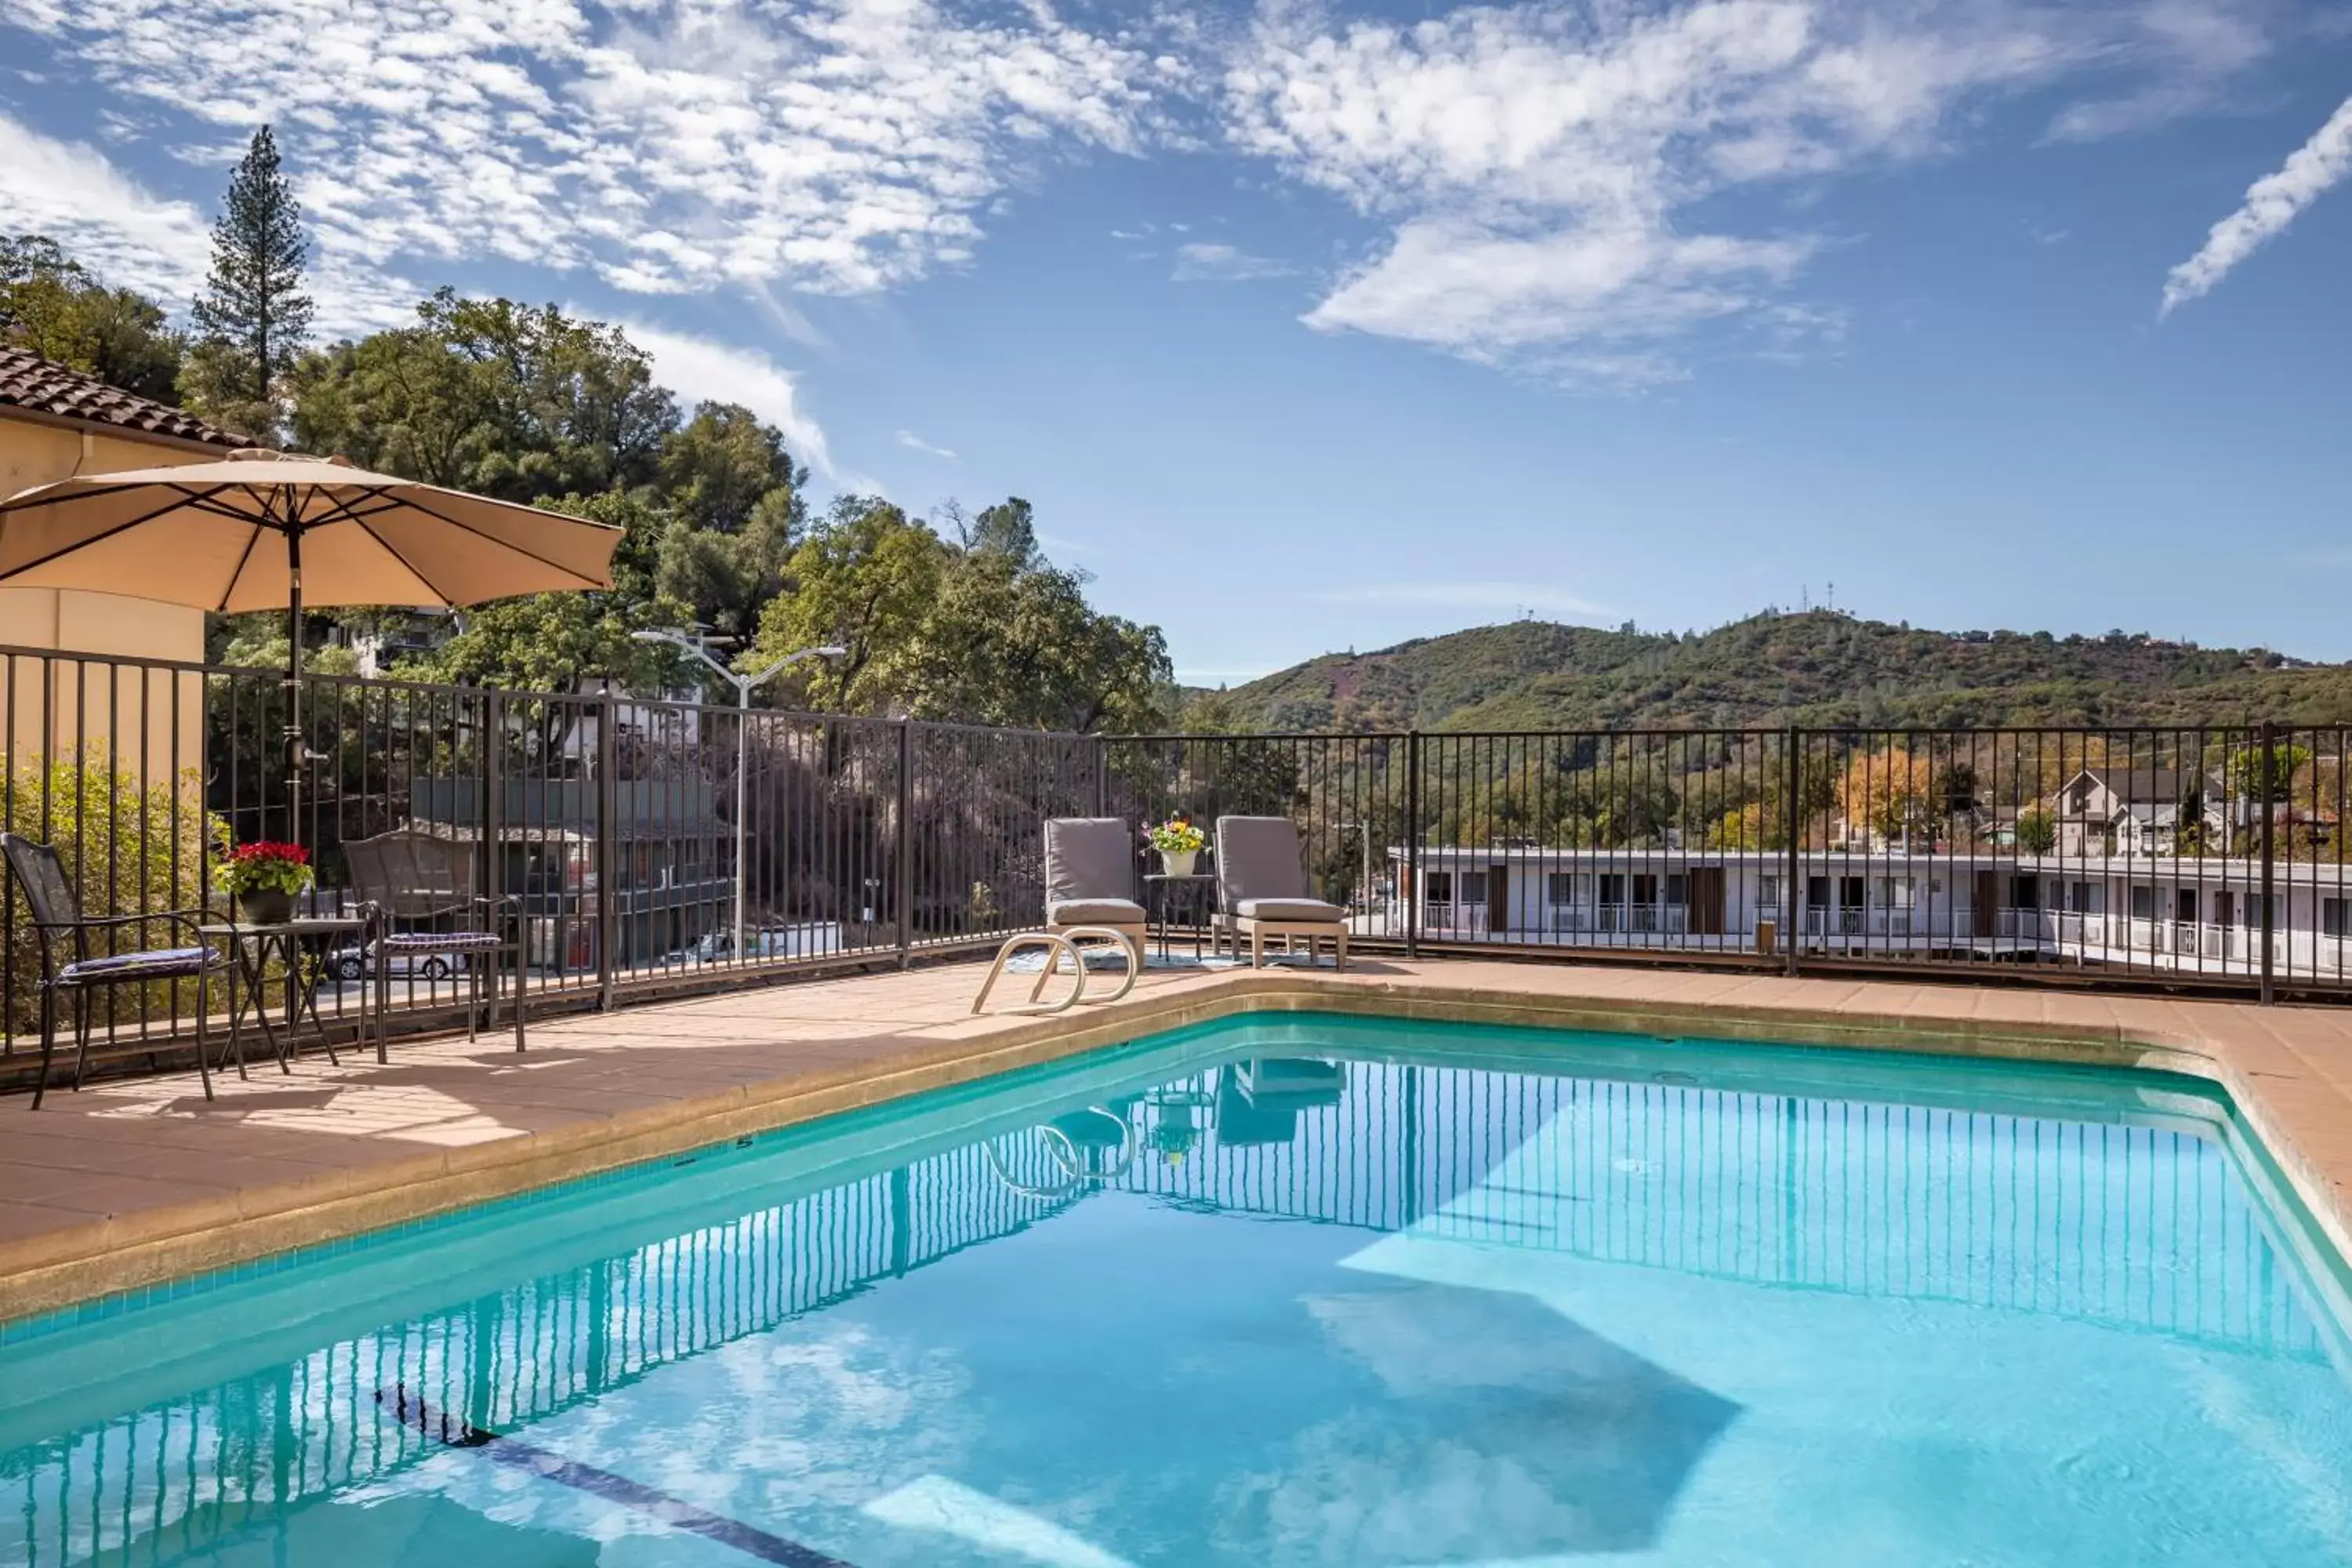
(133, 239)
(839, 146)
(74, 195)
(2272, 203)
(914, 443)
(1485, 295)
(1203, 263)
(702, 371)
(1509, 598)
(1544, 165)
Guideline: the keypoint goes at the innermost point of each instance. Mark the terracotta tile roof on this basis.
(44, 386)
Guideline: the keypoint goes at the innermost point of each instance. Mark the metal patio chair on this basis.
(427, 882)
(56, 914)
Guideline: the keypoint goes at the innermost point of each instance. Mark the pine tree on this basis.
(253, 311)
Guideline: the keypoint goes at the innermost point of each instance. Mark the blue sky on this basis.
(1308, 328)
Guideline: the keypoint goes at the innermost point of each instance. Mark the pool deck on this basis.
(140, 1180)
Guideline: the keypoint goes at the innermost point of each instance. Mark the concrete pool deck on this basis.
(133, 1182)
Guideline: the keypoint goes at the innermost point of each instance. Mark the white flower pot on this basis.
(1176, 864)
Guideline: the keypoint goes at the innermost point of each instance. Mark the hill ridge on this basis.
(1818, 668)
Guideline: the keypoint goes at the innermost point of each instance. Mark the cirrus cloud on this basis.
(838, 146)
(1552, 174)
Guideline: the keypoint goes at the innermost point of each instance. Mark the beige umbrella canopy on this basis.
(265, 531)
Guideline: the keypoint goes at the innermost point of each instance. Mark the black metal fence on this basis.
(2205, 859)
(646, 841)
(617, 825)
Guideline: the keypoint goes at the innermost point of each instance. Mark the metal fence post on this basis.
(2269, 765)
(494, 791)
(1413, 844)
(904, 876)
(1792, 818)
(608, 915)
(1102, 776)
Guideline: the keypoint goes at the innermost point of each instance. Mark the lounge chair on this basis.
(1261, 890)
(1090, 878)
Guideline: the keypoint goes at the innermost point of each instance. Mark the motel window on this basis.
(1559, 887)
(1441, 887)
(2025, 893)
(2143, 901)
(2331, 917)
(1613, 886)
(1767, 891)
(1474, 887)
(1677, 893)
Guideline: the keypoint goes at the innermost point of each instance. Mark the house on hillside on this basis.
(57, 422)
(2132, 810)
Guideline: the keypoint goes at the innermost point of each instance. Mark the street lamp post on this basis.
(743, 685)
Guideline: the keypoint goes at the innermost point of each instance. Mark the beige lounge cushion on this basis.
(1094, 911)
(1289, 909)
(1090, 857)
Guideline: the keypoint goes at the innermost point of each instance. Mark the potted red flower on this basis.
(263, 878)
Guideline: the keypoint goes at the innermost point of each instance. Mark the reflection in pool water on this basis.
(1312, 1291)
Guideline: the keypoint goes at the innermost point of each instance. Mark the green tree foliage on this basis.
(2037, 832)
(865, 580)
(738, 514)
(54, 306)
(2248, 779)
(1012, 640)
(253, 316)
(488, 395)
(982, 629)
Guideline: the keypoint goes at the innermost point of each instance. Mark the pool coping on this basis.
(2308, 1137)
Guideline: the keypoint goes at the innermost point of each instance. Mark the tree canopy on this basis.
(54, 306)
(252, 318)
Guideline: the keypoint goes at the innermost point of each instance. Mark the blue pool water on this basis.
(1306, 1291)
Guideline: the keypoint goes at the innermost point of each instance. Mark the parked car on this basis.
(769, 942)
(358, 964)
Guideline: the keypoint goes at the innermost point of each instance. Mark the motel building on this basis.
(2191, 914)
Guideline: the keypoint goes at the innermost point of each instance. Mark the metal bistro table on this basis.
(250, 947)
(1163, 896)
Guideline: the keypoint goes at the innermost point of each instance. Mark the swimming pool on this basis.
(1290, 1291)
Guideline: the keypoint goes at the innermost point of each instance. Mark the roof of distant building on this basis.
(44, 387)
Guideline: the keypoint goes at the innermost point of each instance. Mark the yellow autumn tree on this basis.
(1890, 793)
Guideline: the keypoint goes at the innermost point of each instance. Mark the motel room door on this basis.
(1705, 901)
(1499, 899)
(1984, 908)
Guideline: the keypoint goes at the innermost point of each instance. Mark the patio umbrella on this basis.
(263, 529)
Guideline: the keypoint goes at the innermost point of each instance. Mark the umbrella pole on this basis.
(294, 747)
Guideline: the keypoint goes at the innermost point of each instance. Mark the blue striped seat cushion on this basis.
(442, 941)
(162, 963)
